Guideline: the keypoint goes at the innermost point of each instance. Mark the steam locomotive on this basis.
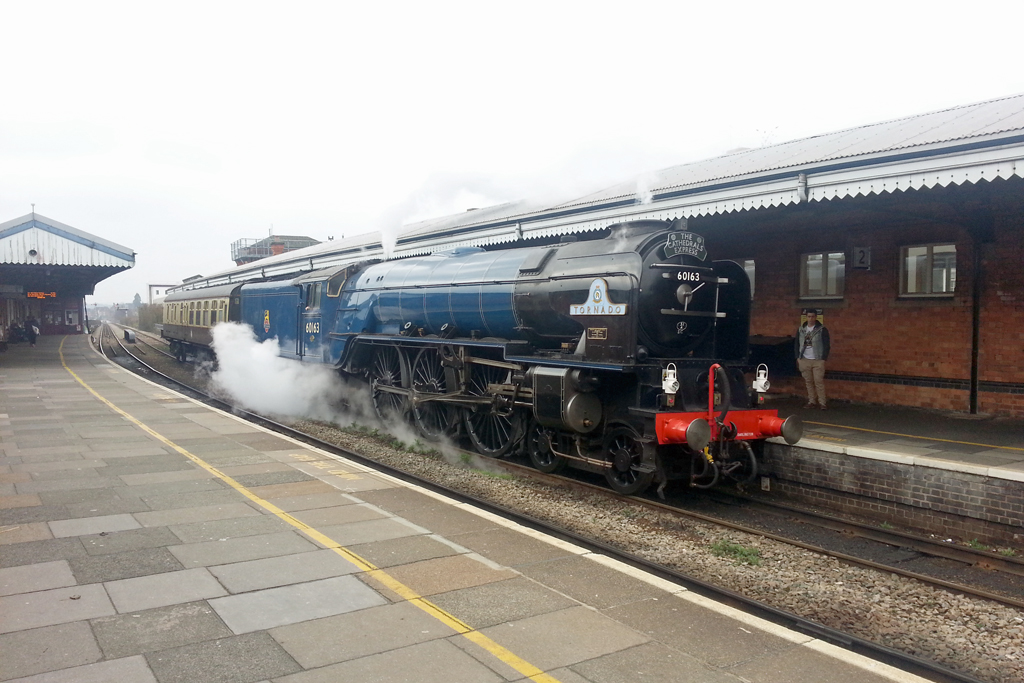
(622, 355)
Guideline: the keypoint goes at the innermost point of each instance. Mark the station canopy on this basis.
(968, 144)
(38, 254)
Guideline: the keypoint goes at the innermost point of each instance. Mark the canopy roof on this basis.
(964, 144)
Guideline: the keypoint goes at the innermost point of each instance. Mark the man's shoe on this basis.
(808, 405)
(823, 407)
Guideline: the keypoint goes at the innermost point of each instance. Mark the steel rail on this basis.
(906, 662)
(973, 556)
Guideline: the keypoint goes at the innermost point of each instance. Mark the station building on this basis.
(46, 270)
(907, 235)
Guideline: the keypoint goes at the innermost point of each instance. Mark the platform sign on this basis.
(862, 258)
(41, 295)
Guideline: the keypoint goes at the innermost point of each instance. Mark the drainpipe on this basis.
(975, 320)
(982, 231)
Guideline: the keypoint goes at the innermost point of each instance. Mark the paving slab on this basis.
(564, 638)
(85, 526)
(18, 501)
(158, 629)
(25, 653)
(444, 574)
(229, 458)
(126, 565)
(591, 583)
(126, 670)
(235, 527)
(57, 606)
(91, 482)
(160, 590)
(500, 602)
(79, 464)
(371, 530)
(241, 549)
(109, 506)
(35, 552)
(189, 500)
(175, 488)
(804, 664)
(358, 634)
(205, 513)
(404, 550)
(23, 533)
(247, 658)
(302, 488)
(340, 514)
(256, 468)
(254, 481)
(653, 662)
(291, 604)
(436, 661)
(316, 500)
(181, 472)
(35, 577)
(80, 496)
(133, 539)
(271, 572)
(509, 547)
(30, 515)
(690, 628)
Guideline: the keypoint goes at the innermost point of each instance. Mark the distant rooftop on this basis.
(249, 249)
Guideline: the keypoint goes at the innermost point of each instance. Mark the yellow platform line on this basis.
(405, 592)
(912, 436)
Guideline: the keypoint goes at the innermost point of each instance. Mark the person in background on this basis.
(31, 330)
(812, 349)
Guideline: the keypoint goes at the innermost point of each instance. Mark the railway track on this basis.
(923, 667)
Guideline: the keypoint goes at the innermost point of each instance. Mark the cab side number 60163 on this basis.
(313, 328)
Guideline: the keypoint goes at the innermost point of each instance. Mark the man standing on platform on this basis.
(812, 347)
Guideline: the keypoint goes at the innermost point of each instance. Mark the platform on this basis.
(974, 444)
(146, 537)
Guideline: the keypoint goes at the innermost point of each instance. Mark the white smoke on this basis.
(644, 188)
(256, 377)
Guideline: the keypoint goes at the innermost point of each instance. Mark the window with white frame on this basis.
(822, 275)
(928, 270)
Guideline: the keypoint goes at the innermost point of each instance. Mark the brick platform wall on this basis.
(950, 504)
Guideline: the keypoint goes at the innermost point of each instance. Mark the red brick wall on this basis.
(1001, 348)
(873, 330)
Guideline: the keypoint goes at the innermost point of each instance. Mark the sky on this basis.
(175, 129)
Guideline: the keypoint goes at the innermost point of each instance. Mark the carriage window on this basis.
(191, 313)
(928, 270)
(823, 275)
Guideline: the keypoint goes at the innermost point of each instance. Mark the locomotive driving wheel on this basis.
(538, 445)
(386, 373)
(493, 426)
(625, 453)
(433, 418)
